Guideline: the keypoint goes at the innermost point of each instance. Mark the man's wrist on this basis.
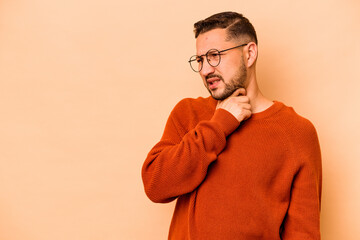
(227, 122)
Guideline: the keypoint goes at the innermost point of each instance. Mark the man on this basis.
(240, 166)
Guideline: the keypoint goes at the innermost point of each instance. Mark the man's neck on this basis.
(258, 101)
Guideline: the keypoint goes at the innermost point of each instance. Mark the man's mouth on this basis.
(213, 82)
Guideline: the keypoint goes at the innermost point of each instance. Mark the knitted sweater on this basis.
(257, 180)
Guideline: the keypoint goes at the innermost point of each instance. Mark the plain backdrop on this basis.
(86, 88)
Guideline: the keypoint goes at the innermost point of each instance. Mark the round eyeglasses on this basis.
(213, 57)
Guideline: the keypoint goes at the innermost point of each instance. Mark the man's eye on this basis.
(214, 55)
(199, 60)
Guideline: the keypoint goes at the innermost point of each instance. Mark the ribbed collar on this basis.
(277, 106)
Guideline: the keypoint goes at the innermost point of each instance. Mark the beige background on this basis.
(86, 88)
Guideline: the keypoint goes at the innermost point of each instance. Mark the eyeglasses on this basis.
(213, 57)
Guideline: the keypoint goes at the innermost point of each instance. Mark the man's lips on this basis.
(213, 82)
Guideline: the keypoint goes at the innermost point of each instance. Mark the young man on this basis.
(240, 166)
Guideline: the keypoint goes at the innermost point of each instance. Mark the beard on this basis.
(238, 81)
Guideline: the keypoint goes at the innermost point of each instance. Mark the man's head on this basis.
(225, 71)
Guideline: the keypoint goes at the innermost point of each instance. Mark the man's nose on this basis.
(207, 69)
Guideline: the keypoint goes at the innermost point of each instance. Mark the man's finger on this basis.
(239, 92)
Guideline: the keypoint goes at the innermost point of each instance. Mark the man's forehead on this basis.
(213, 39)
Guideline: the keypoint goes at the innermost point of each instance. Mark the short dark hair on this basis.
(236, 24)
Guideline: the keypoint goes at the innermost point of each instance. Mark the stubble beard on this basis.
(238, 81)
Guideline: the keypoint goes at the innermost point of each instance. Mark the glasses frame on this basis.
(207, 58)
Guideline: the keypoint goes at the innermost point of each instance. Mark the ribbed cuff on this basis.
(227, 122)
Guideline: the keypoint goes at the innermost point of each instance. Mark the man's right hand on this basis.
(238, 104)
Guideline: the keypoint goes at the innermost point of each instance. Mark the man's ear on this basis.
(251, 54)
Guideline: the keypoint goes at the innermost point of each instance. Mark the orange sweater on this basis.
(259, 180)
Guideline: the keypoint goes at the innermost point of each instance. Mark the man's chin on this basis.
(217, 94)
(214, 94)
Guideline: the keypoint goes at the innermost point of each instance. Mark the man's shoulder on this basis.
(192, 110)
(195, 104)
(300, 135)
(294, 122)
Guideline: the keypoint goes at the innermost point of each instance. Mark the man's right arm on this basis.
(179, 162)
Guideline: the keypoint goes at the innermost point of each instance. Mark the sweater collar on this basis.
(273, 109)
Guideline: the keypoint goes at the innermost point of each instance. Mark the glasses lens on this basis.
(196, 63)
(213, 57)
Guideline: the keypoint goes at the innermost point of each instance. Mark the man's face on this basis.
(222, 80)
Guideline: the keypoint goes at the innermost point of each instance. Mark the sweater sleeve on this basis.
(303, 218)
(178, 163)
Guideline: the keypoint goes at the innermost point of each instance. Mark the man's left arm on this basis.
(303, 217)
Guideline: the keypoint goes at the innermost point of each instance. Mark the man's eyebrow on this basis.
(202, 55)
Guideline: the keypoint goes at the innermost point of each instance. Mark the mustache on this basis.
(214, 75)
